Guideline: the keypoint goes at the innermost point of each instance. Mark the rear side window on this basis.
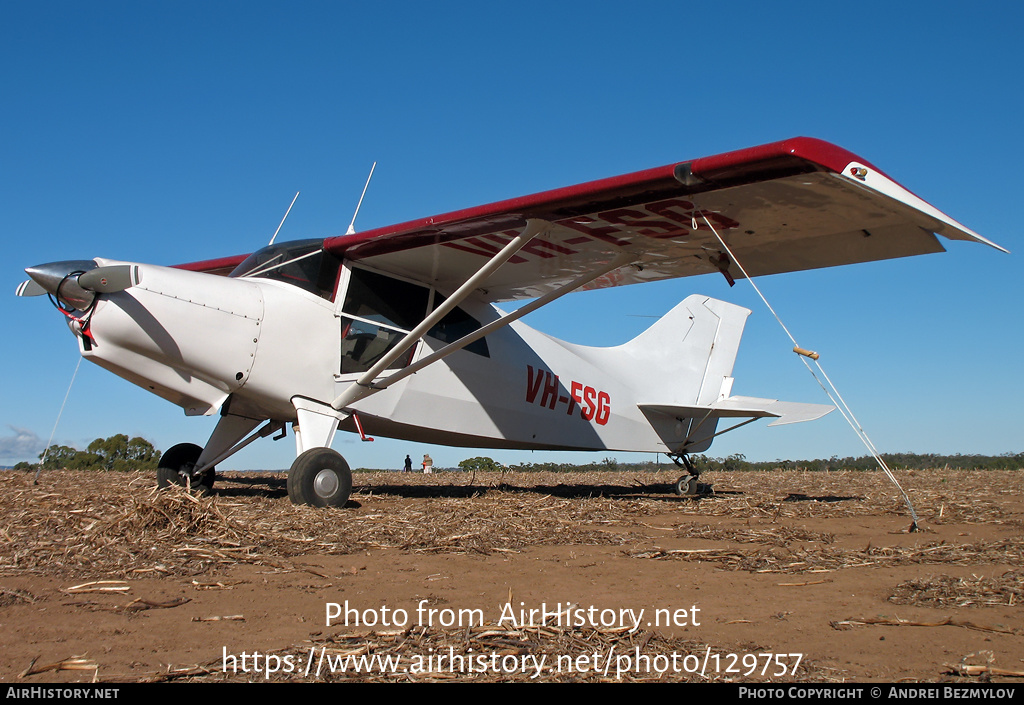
(455, 325)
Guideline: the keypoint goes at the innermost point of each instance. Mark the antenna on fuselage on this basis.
(352, 226)
(284, 218)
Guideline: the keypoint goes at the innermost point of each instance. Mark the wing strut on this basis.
(359, 390)
(362, 386)
(620, 261)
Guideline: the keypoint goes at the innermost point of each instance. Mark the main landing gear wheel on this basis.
(320, 477)
(177, 467)
(686, 486)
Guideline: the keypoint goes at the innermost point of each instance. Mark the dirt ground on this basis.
(784, 576)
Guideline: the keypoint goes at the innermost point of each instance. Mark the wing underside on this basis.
(788, 206)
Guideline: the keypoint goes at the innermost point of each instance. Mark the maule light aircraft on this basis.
(394, 331)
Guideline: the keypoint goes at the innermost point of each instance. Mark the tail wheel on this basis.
(320, 477)
(177, 467)
(686, 486)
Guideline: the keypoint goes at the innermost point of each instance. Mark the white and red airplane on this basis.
(394, 331)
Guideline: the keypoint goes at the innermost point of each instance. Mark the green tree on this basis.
(483, 464)
(57, 457)
(119, 453)
(113, 453)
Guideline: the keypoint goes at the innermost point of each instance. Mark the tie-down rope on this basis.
(831, 391)
(42, 458)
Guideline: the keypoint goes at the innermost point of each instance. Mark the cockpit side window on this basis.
(379, 310)
(381, 299)
(302, 263)
(377, 313)
(363, 344)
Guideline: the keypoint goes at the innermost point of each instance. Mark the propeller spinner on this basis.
(75, 283)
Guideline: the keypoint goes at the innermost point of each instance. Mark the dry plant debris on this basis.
(118, 525)
(87, 527)
(115, 524)
(13, 596)
(74, 663)
(986, 671)
(817, 560)
(947, 622)
(975, 591)
(776, 536)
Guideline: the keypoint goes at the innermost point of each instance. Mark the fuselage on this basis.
(256, 343)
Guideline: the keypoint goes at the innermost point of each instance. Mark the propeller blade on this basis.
(29, 287)
(108, 280)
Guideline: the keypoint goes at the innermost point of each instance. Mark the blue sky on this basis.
(177, 131)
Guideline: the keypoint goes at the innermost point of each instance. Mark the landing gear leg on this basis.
(319, 476)
(686, 485)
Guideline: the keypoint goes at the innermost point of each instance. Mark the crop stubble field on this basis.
(733, 585)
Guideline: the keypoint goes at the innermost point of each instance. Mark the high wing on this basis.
(787, 206)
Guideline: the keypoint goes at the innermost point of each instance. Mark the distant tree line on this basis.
(738, 463)
(114, 453)
(121, 453)
(902, 461)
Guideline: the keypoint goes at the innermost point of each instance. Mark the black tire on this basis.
(320, 477)
(686, 486)
(176, 466)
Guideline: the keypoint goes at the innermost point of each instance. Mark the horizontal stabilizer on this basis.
(785, 412)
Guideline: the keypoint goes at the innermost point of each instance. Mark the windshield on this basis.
(301, 262)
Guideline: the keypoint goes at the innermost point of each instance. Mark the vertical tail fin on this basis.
(682, 367)
(692, 348)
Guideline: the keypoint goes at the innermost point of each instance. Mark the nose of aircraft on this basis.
(50, 275)
(59, 279)
(76, 282)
